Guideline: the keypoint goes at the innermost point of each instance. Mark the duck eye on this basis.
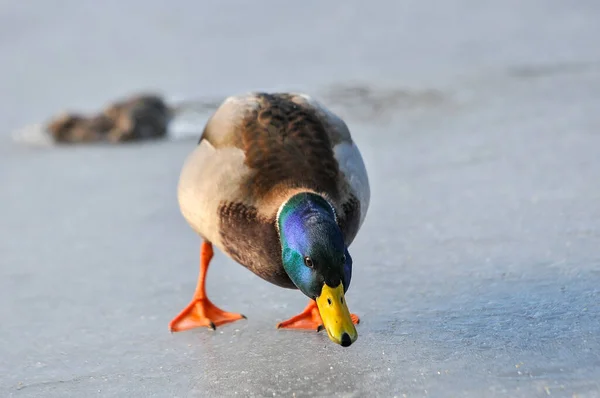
(308, 262)
(343, 258)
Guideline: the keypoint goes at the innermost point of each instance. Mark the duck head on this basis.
(317, 260)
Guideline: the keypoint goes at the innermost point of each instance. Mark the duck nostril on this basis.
(329, 301)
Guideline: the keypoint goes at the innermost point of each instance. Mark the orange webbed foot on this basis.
(202, 313)
(309, 319)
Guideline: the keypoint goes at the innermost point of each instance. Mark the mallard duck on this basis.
(137, 118)
(277, 184)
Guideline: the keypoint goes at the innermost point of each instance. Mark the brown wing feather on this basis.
(349, 219)
(287, 143)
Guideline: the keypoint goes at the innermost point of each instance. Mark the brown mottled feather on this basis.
(252, 241)
(284, 143)
(349, 220)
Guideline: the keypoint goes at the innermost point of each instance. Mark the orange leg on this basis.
(201, 311)
(309, 319)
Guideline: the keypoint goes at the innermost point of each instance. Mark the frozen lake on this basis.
(477, 272)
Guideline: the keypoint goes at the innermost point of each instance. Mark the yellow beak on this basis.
(336, 316)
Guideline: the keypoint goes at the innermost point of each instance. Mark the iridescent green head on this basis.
(317, 260)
